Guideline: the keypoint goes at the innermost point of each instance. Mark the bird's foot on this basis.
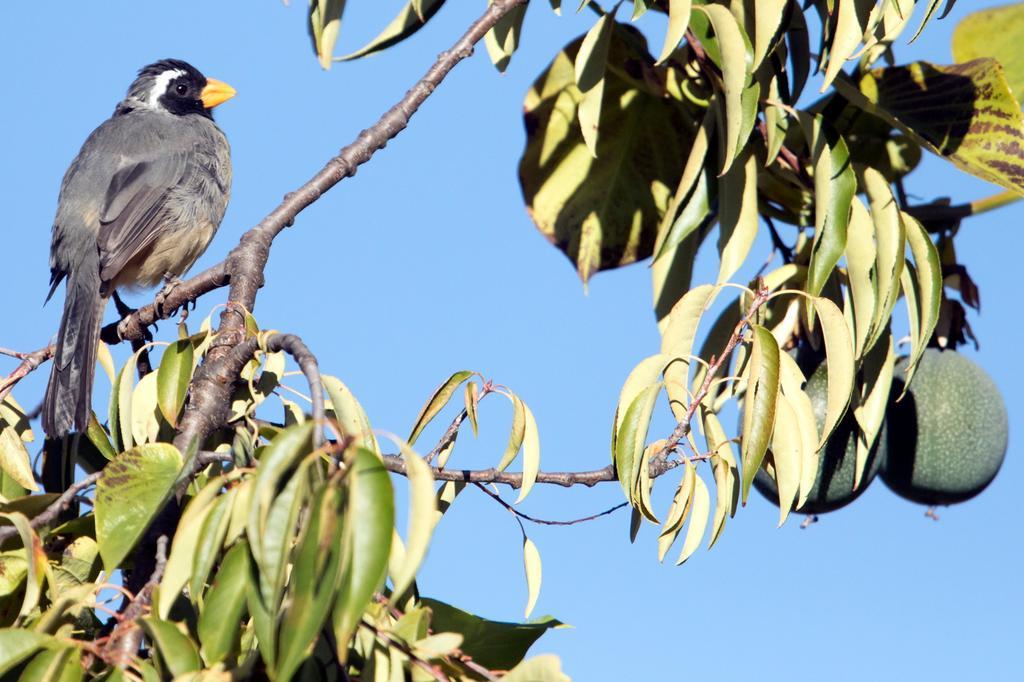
(123, 309)
(171, 282)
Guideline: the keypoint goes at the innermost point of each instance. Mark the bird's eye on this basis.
(181, 89)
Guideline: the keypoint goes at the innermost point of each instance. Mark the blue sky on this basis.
(426, 263)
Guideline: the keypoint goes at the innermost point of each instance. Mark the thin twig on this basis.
(53, 510)
(123, 644)
(545, 522)
(683, 427)
(431, 670)
(29, 362)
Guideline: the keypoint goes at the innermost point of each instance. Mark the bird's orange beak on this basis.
(216, 92)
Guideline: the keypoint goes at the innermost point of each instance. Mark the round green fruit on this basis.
(948, 435)
(833, 486)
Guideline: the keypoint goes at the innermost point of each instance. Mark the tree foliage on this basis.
(251, 528)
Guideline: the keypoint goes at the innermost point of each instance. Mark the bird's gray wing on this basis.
(132, 211)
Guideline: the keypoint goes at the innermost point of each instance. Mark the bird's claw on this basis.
(171, 282)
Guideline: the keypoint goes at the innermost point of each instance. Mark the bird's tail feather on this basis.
(69, 394)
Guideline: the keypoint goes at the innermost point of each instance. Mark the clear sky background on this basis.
(426, 263)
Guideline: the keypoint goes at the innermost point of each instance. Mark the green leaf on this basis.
(699, 510)
(929, 11)
(532, 565)
(590, 67)
(850, 28)
(759, 403)
(738, 221)
(516, 434)
(726, 474)
(369, 520)
(632, 436)
(172, 379)
(834, 186)
(677, 344)
(315, 576)
(841, 368)
(493, 644)
(422, 518)
(177, 651)
(787, 456)
(97, 435)
(890, 243)
(692, 194)
(502, 40)
(55, 665)
(678, 20)
(872, 401)
(965, 113)
(14, 458)
(406, 23)
(647, 372)
(324, 24)
(996, 32)
(928, 272)
(437, 401)
(211, 540)
(471, 396)
(17, 644)
(861, 257)
(736, 61)
(602, 212)
(677, 511)
(349, 412)
(145, 426)
(792, 379)
(768, 16)
(129, 493)
(179, 562)
(531, 453)
(277, 458)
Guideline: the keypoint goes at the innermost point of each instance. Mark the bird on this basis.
(137, 206)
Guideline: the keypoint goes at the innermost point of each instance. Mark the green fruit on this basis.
(948, 436)
(833, 486)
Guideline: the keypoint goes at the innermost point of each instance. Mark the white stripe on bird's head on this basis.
(160, 85)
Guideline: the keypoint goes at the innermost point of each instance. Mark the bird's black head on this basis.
(177, 87)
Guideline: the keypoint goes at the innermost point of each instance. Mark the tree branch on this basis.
(245, 264)
(29, 362)
(50, 514)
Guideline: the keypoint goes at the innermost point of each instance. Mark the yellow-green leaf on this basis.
(736, 63)
(173, 377)
(422, 517)
(531, 562)
(442, 394)
(678, 20)
(590, 66)
(324, 24)
(841, 369)
(502, 40)
(132, 489)
(531, 454)
(602, 212)
(699, 511)
(406, 23)
(738, 217)
(928, 272)
(965, 113)
(759, 403)
(632, 436)
(996, 32)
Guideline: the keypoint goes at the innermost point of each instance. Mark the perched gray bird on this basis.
(139, 204)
